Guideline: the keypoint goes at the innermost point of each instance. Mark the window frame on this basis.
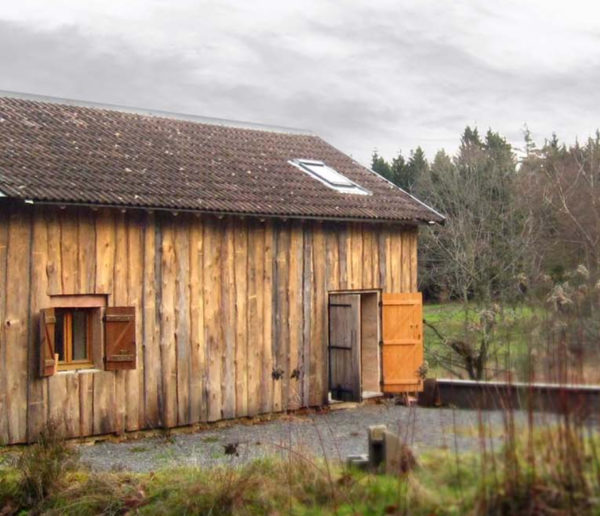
(68, 363)
(352, 188)
(95, 304)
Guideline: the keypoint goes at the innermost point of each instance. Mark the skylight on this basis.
(330, 177)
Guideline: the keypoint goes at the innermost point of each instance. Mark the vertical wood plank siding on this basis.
(231, 313)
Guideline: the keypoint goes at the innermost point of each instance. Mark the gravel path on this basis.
(335, 434)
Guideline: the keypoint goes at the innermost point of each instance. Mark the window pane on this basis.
(328, 174)
(79, 335)
(59, 335)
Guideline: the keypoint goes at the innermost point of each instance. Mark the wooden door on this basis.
(344, 347)
(402, 350)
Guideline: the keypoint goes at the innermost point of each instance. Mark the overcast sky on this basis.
(371, 74)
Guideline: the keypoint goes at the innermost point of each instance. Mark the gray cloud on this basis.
(391, 77)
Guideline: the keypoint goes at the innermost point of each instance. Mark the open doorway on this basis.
(354, 351)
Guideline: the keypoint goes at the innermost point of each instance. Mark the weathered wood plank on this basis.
(267, 357)
(86, 400)
(382, 253)
(374, 256)
(54, 265)
(16, 323)
(167, 322)
(86, 234)
(134, 379)
(332, 263)
(69, 250)
(256, 257)
(104, 398)
(182, 320)
(295, 277)
(241, 317)
(356, 256)
(343, 244)
(396, 261)
(413, 237)
(4, 224)
(212, 306)
(104, 419)
(105, 251)
(404, 240)
(367, 257)
(71, 409)
(318, 358)
(307, 316)
(198, 386)
(281, 317)
(151, 333)
(37, 397)
(63, 403)
(228, 319)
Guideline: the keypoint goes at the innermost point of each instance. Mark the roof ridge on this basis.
(157, 113)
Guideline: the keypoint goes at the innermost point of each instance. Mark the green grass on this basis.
(516, 334)
(552, 469)
(442, 484)
(261, 487)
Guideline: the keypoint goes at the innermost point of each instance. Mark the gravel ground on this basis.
(335, 434)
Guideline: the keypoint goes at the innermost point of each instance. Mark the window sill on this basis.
(82, 370)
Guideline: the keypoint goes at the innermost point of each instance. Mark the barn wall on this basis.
(220, 305)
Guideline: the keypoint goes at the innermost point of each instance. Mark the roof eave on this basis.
(265, 215)
(442, 218)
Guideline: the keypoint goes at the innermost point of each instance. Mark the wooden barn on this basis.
(159, 270)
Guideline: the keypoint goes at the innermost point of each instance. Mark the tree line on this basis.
(512, 220)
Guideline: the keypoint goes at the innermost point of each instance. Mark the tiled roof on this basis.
(66, 153)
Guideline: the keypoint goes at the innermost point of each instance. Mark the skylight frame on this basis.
(344, 185)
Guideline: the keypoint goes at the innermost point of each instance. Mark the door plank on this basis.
(402, 352)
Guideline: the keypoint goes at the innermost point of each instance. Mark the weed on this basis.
(43, 466)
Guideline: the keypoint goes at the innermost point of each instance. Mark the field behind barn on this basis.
(521, 347)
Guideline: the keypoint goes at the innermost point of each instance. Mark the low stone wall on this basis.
(566, 398)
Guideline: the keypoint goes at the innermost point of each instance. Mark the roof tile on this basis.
(67, 153)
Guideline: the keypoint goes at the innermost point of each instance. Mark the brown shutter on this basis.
(402, 350)
(119, 338)
(48, 358)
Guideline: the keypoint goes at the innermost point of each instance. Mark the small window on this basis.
(329, 176)
(82, 332)
(72, 337)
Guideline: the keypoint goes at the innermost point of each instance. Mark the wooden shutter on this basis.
(47, 355)
(344, 347)
(119, 338)
(402, 351)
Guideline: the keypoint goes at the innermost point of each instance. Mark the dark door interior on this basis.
(344, 347)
